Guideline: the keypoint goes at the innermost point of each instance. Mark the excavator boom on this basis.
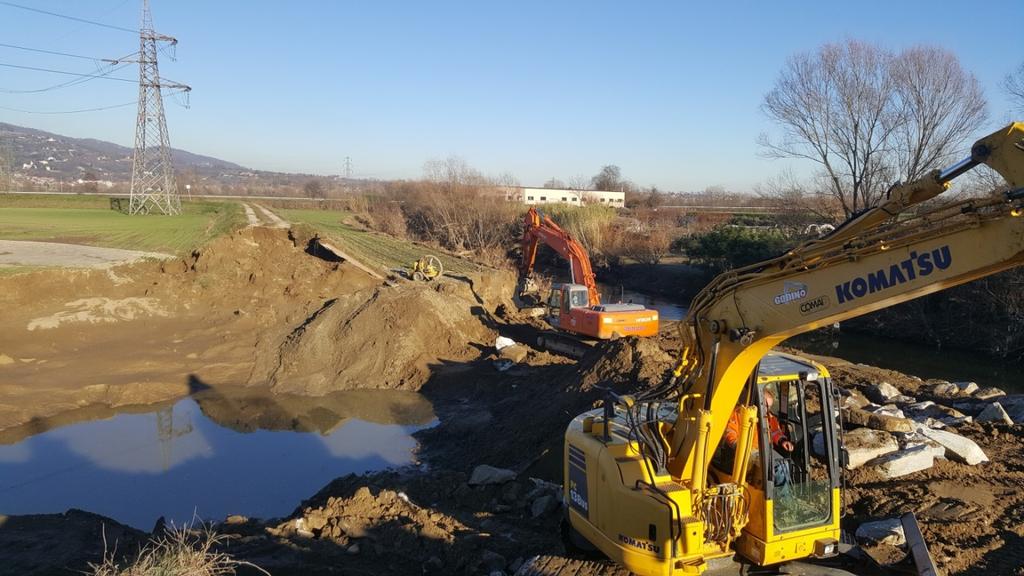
(542, 229)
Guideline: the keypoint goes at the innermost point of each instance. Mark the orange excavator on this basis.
(574, 309)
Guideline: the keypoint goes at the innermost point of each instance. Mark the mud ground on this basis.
(254, 310)
(47, 254)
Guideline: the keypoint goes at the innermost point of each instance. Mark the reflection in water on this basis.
(136, 443)
(209, 456)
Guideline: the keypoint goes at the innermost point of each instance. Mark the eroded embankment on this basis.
(250, 309)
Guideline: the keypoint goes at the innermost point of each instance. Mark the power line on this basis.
(65, 16)
(132, 103)
(103, 76)
(41, 51)
(75, 82)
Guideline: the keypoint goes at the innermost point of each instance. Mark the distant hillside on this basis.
(43, 154)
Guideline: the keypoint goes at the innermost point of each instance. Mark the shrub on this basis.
(388, 218)
(728, 247)
(179, 552)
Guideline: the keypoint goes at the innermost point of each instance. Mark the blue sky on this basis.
(668, 91)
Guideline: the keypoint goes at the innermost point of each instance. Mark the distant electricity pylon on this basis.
(348, 166)
(153, 185)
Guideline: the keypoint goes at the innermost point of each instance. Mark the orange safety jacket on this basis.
(732, 430)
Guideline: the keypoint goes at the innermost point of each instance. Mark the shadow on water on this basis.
(211, 454)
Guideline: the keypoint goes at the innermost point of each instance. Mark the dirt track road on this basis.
(250, 215)
(26, 253)
(268, 218)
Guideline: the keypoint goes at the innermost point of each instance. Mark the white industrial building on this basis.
(613, 199)
(532, 196)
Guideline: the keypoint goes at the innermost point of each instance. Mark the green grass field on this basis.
(90, 220)
(372, 248)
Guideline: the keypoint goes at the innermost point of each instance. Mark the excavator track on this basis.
(563, 343)
(562, 566)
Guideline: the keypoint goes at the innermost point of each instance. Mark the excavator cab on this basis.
(562, 300)
(794, 481)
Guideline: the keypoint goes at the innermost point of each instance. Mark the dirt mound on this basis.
(385, 337)
(631, 362)
(142, 333)
(395, 523)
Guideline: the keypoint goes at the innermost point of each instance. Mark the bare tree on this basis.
(456, 206)
(867, 117)
(315, 189)
(554, 183)
(940, 106)
(1013, 84)
(609, 178)
(579, 182)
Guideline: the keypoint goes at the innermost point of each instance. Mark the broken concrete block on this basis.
(957, 447)
(887, 410)
(882, 392)
(878, 421)
(966, 388)
(864, 444)
(889, 531)
(1016, 413)
(503, 342)
(925, 409)
(516, 353)
(914, 440)
(989, 393)
(956, 421)
(945, 389)
(994, 412)
(903, 462)
(853, 398)
(484, 474)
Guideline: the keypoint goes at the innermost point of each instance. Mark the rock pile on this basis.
(896, 434)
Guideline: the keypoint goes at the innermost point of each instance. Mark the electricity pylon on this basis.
(153, 186)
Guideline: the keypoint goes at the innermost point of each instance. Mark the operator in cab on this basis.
(779, 441)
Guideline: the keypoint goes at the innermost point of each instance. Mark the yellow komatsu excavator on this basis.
(658, 483)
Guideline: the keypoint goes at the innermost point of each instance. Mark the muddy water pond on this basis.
(210, 455)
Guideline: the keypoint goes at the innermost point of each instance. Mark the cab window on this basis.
(579, 299)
